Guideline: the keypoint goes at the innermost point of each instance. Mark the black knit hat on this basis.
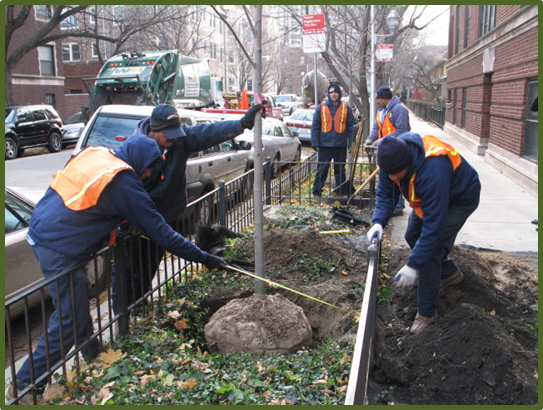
(384, 92)
(393, 155)
(334, 87)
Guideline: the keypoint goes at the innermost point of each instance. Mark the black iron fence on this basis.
(143, 272)
(431, 112)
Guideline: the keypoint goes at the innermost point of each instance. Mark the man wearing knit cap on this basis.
(443, 190)
(331, 136)
(392, 119)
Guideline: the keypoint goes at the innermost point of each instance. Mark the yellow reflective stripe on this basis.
(323, 115)
(89, 184)
(412, 183)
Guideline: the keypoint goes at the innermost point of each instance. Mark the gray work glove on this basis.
(248, 120)
(214, 262)
(367, 143)
(377, 142)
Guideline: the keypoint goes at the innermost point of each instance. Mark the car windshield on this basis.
(302, 115)
(282, 98)
(105, 129)
(74, 119)
(15, 209)
(10, 113)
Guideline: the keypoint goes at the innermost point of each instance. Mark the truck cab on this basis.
(272, 110)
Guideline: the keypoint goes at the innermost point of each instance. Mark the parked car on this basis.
(287, 102)
(32, 126)
(112, 124)
(300, 122)
(278, 142)
(22, 271)
(72, 129)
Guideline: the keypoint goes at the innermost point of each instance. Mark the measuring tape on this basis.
(355, 314)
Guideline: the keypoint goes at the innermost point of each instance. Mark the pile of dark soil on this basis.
(483, 349)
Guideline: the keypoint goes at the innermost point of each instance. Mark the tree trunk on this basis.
(9, 100)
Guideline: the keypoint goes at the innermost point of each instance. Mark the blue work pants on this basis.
(71, 314)
(439, 266)
(325, 156)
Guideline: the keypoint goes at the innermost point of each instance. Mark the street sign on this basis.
(384, 52)
(313, 33)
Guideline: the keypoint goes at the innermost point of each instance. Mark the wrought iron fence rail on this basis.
(230, 205)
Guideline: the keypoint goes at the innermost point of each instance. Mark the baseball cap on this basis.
(165, 118)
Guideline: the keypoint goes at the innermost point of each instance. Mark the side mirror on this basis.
(295, 134)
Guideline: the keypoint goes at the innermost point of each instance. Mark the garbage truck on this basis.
(308, 88)
(152, 78)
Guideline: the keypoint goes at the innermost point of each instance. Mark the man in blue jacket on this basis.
(331, 136)
(96, 191)
(167, 184)
(392, 119)
(443, 189)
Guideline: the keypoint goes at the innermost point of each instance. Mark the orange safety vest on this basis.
(85, 177)
(339, 119)
(386, 127)
(433, 147)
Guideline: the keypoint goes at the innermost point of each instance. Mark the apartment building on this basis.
(492, 79)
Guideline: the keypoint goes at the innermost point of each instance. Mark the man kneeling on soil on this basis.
(97, 190)
(443, 190)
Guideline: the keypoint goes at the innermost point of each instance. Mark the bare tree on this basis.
(132, 24)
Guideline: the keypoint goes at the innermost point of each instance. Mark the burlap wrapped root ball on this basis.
(259, 324)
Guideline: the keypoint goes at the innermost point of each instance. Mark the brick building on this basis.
(39, 76)
(492, 81)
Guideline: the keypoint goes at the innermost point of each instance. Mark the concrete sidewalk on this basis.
(503, 219)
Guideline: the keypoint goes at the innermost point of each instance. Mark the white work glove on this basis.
(406, 277)
(376, 230)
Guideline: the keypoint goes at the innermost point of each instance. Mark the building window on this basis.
(94, 48)
(118, 15)
(43, 12)
(70, 52)
(92, 15)
(231, 57)
(457, 39)
(69, 23)
(488, 19)
(466, 26)
(50, 100)
(47, 61)
(249, 84)
(455, 106)
(464, 103)
(530, 125)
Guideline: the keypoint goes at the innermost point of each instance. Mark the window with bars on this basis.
(455, 106)
(530, 125)
(70, 52)
(487, 18)
(47, 61)
(50, 100)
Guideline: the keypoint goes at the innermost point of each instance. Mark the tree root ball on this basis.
(260, 324)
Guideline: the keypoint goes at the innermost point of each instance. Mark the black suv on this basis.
(32, 126)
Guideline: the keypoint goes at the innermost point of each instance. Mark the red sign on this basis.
(313, 24)
(313, 33)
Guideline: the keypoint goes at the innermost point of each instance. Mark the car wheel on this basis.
(11, 148)
(98, 273)
(55, 142)
(247, 186)
(275, 167)
(298, 155)
(205, 211)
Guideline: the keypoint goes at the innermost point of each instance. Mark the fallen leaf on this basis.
(174, 314)
(344, 273)
(53, 391)
(181, 324)
(105, 395)
(111, 356)
(493, 313)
